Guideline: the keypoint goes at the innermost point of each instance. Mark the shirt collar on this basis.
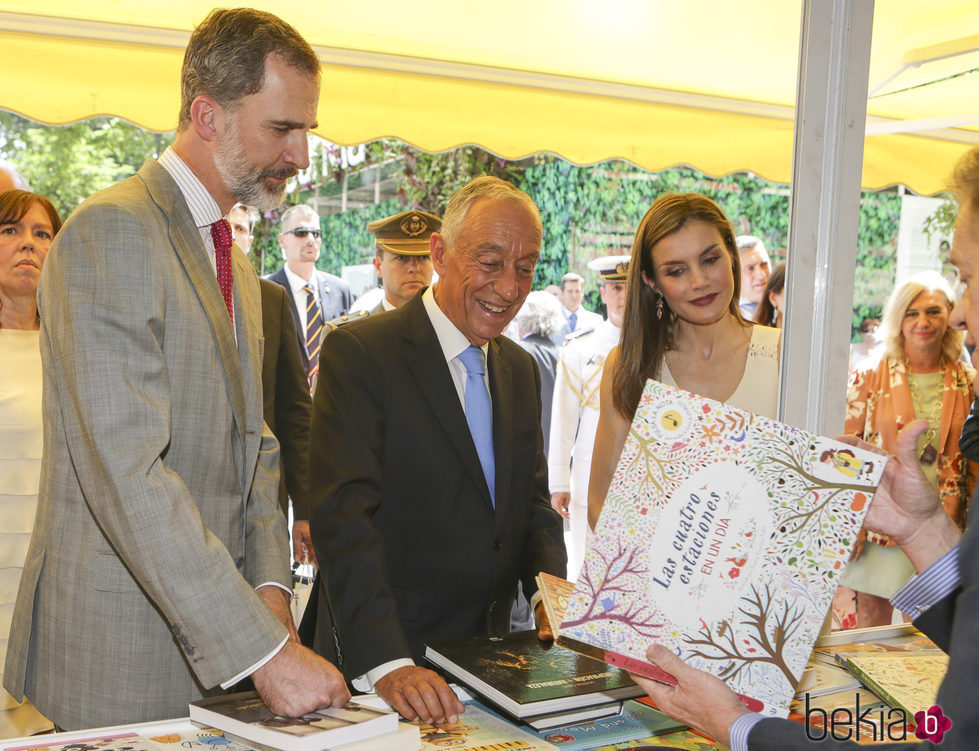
(203, 208)
(452, 341)
(296, 282)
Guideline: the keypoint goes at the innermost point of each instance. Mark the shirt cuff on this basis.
(284, 588)
(366, 682)
(248, 671)
(933, 584)
(738, 732)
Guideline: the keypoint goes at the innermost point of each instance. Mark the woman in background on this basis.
(683, 327)
(28, 223)
(920, 376)
(771, 309)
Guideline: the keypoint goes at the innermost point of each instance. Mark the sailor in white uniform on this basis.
(574, 410)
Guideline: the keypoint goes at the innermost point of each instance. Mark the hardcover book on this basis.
(722, 537)
(526, 678)
(478, 729)
(906, 681)
(246, 716)
(635, 721)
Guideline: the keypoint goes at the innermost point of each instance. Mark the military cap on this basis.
(405, 234)
(611, 268)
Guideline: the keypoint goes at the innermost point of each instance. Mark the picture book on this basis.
(526, 678)
(479, 729)
(635, 721)
(246, 716)
(906, 681)
(820, 679)
(681, 740)
(722, 537)
(140, 738)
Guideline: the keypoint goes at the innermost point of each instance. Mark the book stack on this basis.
(541, 684)
(245, 718)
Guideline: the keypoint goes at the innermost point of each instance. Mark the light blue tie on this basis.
(479, 414)
(573, 321)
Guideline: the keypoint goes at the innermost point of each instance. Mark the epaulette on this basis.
(345, 319)
(575, 334)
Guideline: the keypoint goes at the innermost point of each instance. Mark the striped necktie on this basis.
(314, 325)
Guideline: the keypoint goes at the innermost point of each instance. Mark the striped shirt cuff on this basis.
(933, 584)
(738, 732)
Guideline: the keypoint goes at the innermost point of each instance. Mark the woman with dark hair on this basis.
(919, 376)
(28, 223)
(771, 309)
(682, 327)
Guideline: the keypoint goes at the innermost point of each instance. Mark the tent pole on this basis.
(831, 111)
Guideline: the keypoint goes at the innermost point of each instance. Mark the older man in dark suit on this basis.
(944, 595)
(427, 458)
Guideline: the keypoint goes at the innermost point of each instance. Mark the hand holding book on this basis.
(297, 680)
(906, 507)
(694, 691)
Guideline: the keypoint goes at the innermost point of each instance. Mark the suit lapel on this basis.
(426, 362)
(189, 247)
(501, 389)
(248, 322)
(280, 278)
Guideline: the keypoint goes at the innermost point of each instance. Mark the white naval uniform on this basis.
(574, 420)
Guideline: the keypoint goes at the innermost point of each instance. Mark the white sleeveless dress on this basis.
(758, 390)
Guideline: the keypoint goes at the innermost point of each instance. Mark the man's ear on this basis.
(436, 244)
(377, 266)
(204, 116)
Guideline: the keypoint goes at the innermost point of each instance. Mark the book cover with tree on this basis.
(723, 537)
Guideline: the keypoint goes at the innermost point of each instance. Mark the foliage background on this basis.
(587, 211)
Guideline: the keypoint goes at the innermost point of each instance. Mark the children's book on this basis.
(635, 721)
(723, 537)
(479, 729)
(906, 681)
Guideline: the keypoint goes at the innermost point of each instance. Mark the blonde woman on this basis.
(920, 376)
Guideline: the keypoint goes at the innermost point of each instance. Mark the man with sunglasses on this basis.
(316, 296)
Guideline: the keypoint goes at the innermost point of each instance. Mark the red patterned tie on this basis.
(221, 234)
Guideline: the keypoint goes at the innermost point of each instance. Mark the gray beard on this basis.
(246, 183)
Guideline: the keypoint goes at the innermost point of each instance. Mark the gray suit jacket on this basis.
(157, 512)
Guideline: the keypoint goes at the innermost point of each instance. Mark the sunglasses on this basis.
(302, 232)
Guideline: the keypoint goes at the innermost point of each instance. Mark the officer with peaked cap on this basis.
(403, 261)
(574, 409)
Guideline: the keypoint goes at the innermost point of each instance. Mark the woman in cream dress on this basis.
(683, 327)
(28, 223)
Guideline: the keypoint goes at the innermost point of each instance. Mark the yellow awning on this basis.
(656, 82)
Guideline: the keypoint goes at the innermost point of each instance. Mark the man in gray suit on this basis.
(944, 596)
(158, 570)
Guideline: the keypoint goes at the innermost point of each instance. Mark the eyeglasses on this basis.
(302, 232)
